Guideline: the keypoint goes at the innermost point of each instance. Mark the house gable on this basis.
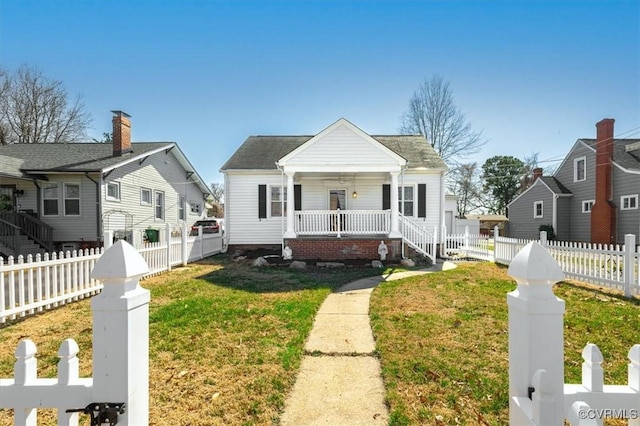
(342, 147)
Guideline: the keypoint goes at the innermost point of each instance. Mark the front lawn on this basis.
(226, 340)
(443, 342)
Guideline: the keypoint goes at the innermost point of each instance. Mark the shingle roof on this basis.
(262, 152)
(627, 160)
(554, 185)
(62, 157)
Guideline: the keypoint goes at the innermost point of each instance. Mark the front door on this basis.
(7, 200)
(337, 201)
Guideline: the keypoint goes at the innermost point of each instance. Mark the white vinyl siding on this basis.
(538, 209)
(629, 202)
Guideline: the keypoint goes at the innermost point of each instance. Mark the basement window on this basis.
(629, 202)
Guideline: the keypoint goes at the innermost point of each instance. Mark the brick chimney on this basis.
(603, 212)
(121, 133)
(537, 173)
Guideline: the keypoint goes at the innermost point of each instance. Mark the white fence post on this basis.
(543, 238)
(183, 242)
(536, 334)
(629, 263)
(167, 237)
(121, 333)
(108, 239)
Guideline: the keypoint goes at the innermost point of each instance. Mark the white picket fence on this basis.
(33, 284)
(538, 395)
(613, 266)
(120, 379)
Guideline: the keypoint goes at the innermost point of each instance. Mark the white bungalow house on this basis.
(329, 196)
(66, 196)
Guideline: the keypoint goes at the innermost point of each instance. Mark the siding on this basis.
(522, 224)
(244, 227)
(342, 146)
(628, 220)
(580, 223)
(159, 172)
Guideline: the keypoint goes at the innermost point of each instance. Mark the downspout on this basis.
(282, 216)
(98, 205)
(38, 197)
(554, 214)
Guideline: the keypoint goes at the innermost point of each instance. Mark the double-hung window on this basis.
(181, 202)
(72, 199)
(407, 208)
(278, 200)
(159, 205)
(580, 169)
(50, 196)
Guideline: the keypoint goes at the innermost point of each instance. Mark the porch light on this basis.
(355, 194)
(18, 193)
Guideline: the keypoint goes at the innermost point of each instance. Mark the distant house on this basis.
(593, 196)
(336, 194)
(488, 222)
(65, 196)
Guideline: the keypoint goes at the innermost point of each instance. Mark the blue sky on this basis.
(534, 76)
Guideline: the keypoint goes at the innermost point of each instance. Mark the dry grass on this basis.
(226, 340)
(443, 342)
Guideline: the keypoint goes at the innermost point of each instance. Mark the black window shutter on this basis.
(297, 197)
(422, 200)
(262, 201)
(386, 196)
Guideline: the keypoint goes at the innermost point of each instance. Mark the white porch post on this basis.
(395, 232)
(290, 232)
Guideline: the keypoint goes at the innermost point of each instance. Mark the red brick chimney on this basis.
(121, 133)
(537, 173)
(603, 212)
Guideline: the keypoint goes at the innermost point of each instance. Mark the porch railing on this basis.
(417, 236)
(342, 222)
(33, 228)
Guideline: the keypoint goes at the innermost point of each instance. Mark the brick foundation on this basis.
(342, 249)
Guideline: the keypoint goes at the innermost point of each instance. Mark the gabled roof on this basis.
(25, 160)
(628, 160)
(262, 152)
(552, 184)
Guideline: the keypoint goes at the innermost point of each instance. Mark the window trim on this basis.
(109, 197)
(147, 203)
(588, 203)
(64, 199)
(155, 205)
(535, 209)
(44, 198)
(413, 200)
(283, 194)
(633, 197)
(575, 169)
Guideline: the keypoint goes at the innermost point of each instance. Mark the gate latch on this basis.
(102, 412)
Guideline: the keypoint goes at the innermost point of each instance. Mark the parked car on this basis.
(209, 226)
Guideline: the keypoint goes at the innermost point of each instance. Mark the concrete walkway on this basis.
(339, 382)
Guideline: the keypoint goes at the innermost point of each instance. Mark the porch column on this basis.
(290, 232)
(395, 232)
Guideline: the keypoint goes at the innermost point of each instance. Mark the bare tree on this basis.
(217, 192)
(530, 163)
(35, 109)
(464, 181)
(433, 113)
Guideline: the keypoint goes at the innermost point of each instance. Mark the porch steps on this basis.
(27, 247)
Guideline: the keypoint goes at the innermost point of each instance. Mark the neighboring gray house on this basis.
(333, 195)
(65, 196)
(592, 197)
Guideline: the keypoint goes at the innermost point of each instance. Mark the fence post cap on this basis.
(120, 262)
(534, 266)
